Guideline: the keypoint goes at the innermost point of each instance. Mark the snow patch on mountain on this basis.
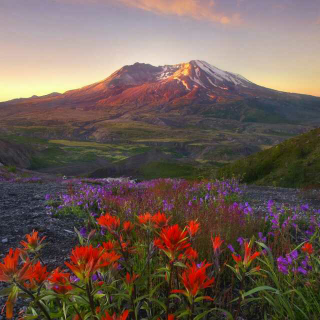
(220, 74)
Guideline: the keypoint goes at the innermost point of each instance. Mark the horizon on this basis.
(52, 92)
(61, 45)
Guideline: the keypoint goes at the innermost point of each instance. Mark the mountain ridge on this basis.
(193, 111)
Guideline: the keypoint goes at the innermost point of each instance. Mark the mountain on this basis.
(193, 111)
(292, 163)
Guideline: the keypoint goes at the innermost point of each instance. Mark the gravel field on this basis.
(22, 209)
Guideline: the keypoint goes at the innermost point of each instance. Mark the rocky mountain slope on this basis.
(193, 111)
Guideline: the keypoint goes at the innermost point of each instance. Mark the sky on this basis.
(57, 45)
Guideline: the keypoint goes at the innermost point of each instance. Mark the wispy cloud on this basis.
(199, 10)
(196, 9)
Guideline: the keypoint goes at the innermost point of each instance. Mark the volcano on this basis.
(193, 111)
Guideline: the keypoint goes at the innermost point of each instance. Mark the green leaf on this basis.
(161, 304)
(258, 289)
(179, 264)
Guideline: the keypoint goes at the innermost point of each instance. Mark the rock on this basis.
(5, 240)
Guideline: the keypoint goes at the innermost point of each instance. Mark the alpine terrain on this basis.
(189, 114)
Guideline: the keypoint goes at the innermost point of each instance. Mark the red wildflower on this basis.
(194, 279)
(170, 317)
(12, 298)
(123, 316)
(87, 260)
(125, 245)
(216, 243)
(236, 258)
(9, 268)
(189, 254)
(60, 281)
(193, 227)
(307, 247)
(131, 279)
(110, 222)
(108, 246)
(172, 241)
(33, 242)
(127, 226)
(160, 220)
(38, 275)
(248, 257)
(144, 218)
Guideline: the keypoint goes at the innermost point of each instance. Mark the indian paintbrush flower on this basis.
(33, 243)
(110, 222)
(172, 241)
(123, 316)
(86, 260)
(193, 227)
(194, 279)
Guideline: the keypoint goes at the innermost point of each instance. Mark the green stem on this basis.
(169, 290)
(91, 302)
(191, 309)
(39, 304)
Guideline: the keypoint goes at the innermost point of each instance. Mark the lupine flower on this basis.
(33, 242)
(123, 316)
(216, 243)
(230, 247)
(60, 281)
(86, 260)
(194, 279)
(283, 265)
(261, 237)
(160, 220)
(110, 222)
(240, 241)
(193, 227)
(172, 241)
(9, 268)
(307, 247)
(83, 232)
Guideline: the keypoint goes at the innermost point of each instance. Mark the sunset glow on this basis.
(57, 45)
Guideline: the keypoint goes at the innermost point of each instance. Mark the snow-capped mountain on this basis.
(143, 83)
(196, 87)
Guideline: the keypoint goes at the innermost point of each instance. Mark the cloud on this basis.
(195, 9)
(199, 10)
(318, 21)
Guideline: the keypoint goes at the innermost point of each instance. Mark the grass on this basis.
(293, 163)
(156, 170)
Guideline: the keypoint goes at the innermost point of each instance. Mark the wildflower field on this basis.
(170, 249)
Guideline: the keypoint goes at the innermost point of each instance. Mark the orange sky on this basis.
(57, 45)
